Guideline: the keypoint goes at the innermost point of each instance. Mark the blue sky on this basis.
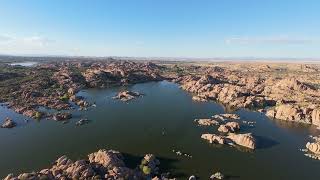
(166, 28)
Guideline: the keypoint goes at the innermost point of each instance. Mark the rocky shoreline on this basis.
(285, 99)
(54, 85)
(103, 164)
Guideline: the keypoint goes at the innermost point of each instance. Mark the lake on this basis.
(26, 64)
(157, 123)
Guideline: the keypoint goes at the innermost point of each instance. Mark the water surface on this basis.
(157, 123)
(26, 64)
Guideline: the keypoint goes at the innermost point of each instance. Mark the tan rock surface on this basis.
(245, 140)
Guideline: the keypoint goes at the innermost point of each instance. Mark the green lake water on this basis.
(157, 123)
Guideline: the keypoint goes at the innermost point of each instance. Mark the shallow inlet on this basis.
(157, 123)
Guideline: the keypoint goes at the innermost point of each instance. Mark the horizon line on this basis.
(166, 57)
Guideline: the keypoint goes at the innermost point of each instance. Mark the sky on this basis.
(161, 28)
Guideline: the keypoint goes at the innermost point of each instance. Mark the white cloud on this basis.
(37, 41)
(268, 40)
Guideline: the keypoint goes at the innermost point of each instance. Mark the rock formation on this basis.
(8, 123)
(231, 116)
(316, 117)
(104, 164)
(292, 97)
(212, 138)
(53, 84)
(314, 147)
(82, 122)
(246, 140)
(206, 122)
(127, 95)
(216, 176)
(229, 127)
(62, 116)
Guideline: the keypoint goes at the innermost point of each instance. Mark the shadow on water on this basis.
(131, 161)
(265, 142)
(166, 164)
(231, 177)
(226, 176)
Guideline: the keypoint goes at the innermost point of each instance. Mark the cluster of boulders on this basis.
(62, 116)
(245, 140)
(229, 131)
(215, 176)
(55, 84)
(284, 98)
(103, 164)
(8, 123)
(229, 127)
(127, 95)
(206, 122)
(120, 73)
(214, 87)
(313, 148)
(82, 122)
(295, 113)
(225, 128)
(69, 79)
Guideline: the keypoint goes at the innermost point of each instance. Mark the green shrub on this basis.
(146, 170)
(144, 162)
(37, 115)
(65, 97)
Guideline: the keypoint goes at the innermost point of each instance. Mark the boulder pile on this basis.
(103, 164)
(127, 95)
(245, 140)
(8, 123)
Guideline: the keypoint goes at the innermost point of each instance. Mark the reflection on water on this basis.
(26, 64)
(137, 128)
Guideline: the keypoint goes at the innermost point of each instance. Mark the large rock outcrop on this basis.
(229, 127)
(316, 117)
(314, 147)
(246, 140)
(206, 122)
(212, 138)
(295, 113)
(106, 158)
